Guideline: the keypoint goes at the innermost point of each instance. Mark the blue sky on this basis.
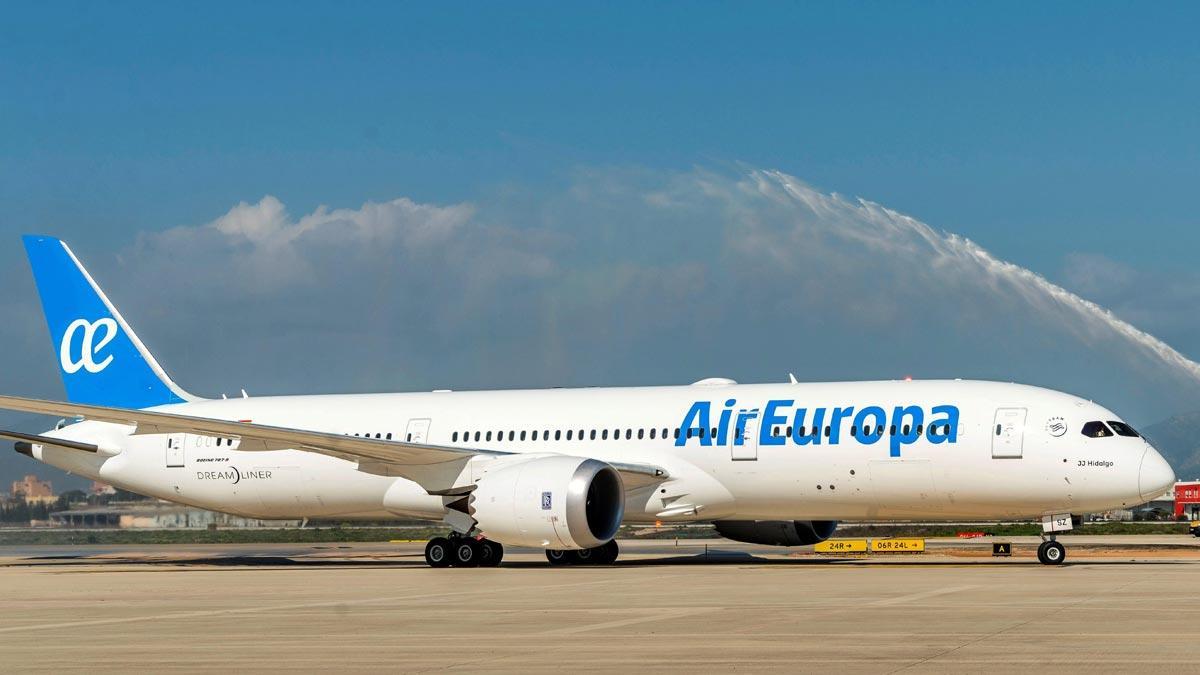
(1008, 124)
(1060, 137)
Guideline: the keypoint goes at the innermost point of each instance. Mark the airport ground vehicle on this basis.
(562, 469)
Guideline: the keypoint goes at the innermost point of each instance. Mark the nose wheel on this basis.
(459, 551)
(1052, 553)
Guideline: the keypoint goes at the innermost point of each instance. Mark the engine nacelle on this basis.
(551, 501)
(777, 532)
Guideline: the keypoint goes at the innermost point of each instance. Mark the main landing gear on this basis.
(605, 554)
(1051, 552)
(460, 551)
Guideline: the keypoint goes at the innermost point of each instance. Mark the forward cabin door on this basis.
(418, 431)
(744, 445)
(175, 454)
(1008, 433)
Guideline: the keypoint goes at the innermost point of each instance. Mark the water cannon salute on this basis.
(562, 469)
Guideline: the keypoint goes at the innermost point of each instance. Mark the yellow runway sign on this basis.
(897, 545)
(842, 546)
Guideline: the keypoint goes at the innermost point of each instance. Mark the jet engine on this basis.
(777, 532)
(550, 501)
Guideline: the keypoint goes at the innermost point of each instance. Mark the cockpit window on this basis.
(1123, 429)
(1096, 430)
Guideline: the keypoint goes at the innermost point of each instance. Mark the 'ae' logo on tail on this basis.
(89, 345)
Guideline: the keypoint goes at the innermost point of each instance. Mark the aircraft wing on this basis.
(428, 465)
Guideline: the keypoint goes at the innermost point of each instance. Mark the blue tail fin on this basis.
(101, 360)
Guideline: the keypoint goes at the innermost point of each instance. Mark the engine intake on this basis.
(777, 532)
(551, 501)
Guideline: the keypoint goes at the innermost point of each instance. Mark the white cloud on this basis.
(627, 275)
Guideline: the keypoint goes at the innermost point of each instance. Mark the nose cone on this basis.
(1156, 476)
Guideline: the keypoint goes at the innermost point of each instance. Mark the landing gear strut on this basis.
(460, 551)
(605, 554)
(1051, 552)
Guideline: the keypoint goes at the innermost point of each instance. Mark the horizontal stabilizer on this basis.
(35, 439)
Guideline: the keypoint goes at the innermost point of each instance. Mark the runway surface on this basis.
(377, 607)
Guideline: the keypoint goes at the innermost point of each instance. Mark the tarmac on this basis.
(1115, 606)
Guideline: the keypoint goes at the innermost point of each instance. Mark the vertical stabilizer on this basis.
(101, 360)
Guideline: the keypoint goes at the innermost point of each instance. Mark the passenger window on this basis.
(853, 430)
(477, 435)
(628, 434)
(454, 437)
(652, 433)
(641, 434)
(827, 432)
(558, 434)
(905, 430)
(1123, 429)
(1096, 430)
(604, 435)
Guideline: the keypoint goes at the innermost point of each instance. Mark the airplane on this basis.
(562, 469)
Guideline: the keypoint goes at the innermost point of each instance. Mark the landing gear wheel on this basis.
(1052, 553)
(490, 553)
(558, 558)
(586, 556)
(437, 552)
(607, 554)
(466, 553)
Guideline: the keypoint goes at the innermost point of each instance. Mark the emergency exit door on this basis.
(418, 431)
(175, 450)
(745, 442)
(1008, 433)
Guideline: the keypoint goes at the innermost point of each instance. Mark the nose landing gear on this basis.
(460, 551)
(1051, 552)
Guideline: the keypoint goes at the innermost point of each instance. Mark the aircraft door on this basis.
(175, 452)
(1008, 433)
(418, 431)
(744, 446)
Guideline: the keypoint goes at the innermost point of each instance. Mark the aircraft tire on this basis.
(465, 552)
(437, 552)
(1052, 553)
(608, 552)
(560, 558)
(490, 553)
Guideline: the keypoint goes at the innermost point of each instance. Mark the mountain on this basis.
(1178, 439)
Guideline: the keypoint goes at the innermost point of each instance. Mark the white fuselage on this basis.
(1014, 451)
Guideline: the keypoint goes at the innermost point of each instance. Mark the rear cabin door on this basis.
(418, 431)
(175, 450)
(745, 442)
(1008, 433)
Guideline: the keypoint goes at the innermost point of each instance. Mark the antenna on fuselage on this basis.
(792, 378)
